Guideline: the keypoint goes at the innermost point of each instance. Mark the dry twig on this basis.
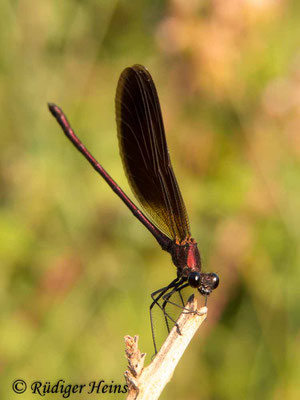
(148, 383)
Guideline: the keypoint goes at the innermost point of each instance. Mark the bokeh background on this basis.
(77, 268)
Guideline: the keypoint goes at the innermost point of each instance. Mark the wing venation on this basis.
(144, 152)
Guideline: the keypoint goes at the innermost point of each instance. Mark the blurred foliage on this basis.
(76, 268)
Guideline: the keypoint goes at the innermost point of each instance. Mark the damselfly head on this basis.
(208, 283)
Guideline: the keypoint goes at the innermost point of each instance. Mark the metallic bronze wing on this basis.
(144, 152)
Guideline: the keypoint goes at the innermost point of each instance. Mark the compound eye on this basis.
(214, 281)
(194, 279)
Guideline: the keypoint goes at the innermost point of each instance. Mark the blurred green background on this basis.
(77, 268)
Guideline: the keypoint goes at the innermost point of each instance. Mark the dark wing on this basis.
(144, 152)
